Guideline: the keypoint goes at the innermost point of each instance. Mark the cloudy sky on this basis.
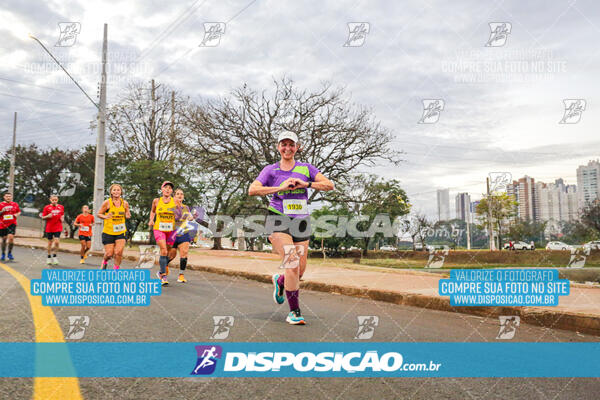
(502, 102)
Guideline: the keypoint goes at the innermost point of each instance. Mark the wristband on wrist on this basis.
(309, 184)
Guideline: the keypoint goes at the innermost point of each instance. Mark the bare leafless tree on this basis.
(417, 225)
(236, 135)
(147, 121)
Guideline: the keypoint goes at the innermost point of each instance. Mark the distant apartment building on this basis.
(539, 201)
(443, 204)
(463, 206)
(555, 201)
(588, 178)
(523, 191)
(473, 215)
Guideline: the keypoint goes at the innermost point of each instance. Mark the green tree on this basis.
(590, 216)
(373, 198)
(573, 232)
(331, 244)
(527, 230)
(452, 233)
(501, 207)
(41, 172)
(141, 181)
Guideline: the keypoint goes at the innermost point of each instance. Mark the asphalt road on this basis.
(183, 313)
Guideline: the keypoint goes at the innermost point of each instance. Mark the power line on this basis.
(46, 116)
(170, 29)
(41, 101)
(64, 129)
(34, 85)
(195, 47)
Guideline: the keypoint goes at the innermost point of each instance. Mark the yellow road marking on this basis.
(47, 330)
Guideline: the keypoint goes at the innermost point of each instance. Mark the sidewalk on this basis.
(580, 311)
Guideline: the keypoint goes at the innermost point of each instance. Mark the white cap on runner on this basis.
(287, 135)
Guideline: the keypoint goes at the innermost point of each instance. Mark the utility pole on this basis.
(11, 180)
(153, 122)
(173, 129)
(489, 207)
(100, 150)
(468, 230)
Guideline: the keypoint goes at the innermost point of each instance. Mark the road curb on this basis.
(578, 322)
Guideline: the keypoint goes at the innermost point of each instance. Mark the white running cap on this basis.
(288, 135)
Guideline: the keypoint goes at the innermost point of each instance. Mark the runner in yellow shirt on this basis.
(162, 221)
(114, 211)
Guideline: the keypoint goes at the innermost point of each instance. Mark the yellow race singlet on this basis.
(116, 224)
(165, 216)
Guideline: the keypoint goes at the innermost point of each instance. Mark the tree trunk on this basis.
(217, 243)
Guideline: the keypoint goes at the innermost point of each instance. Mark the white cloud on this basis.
(506, 120)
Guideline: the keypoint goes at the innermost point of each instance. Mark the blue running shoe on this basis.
(295, 318)
(3, 257)
(277, 290)
(10, 257)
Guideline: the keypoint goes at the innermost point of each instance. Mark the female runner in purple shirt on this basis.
(288, 182)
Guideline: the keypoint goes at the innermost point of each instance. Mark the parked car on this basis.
(558, 246)
(520, 245)
(387, 247)
(593, 245)
(419, 247)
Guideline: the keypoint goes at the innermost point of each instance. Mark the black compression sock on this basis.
(182, 263)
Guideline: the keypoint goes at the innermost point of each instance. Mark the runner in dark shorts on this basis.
(114, 211)
(288, 221)
(84, 222)
(54, 215)
(185, 231)
(9, 211)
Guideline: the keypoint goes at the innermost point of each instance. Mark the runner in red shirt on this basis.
(9, 211)
(84, 222)
(54, 214)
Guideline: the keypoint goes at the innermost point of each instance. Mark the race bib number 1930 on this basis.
(295, 207)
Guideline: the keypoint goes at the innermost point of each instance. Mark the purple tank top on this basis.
(292, 203)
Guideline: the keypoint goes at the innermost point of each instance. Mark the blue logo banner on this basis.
(85, 287)
(297, 359)
(504, 287)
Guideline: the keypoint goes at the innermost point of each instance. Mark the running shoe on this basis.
(116, 267)
(55, 260)
(82, 261)
(181, 279)
(163, 278)
(10, 257)
(277, 290)
(3, 257)
(295, 318)
(48, 261)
